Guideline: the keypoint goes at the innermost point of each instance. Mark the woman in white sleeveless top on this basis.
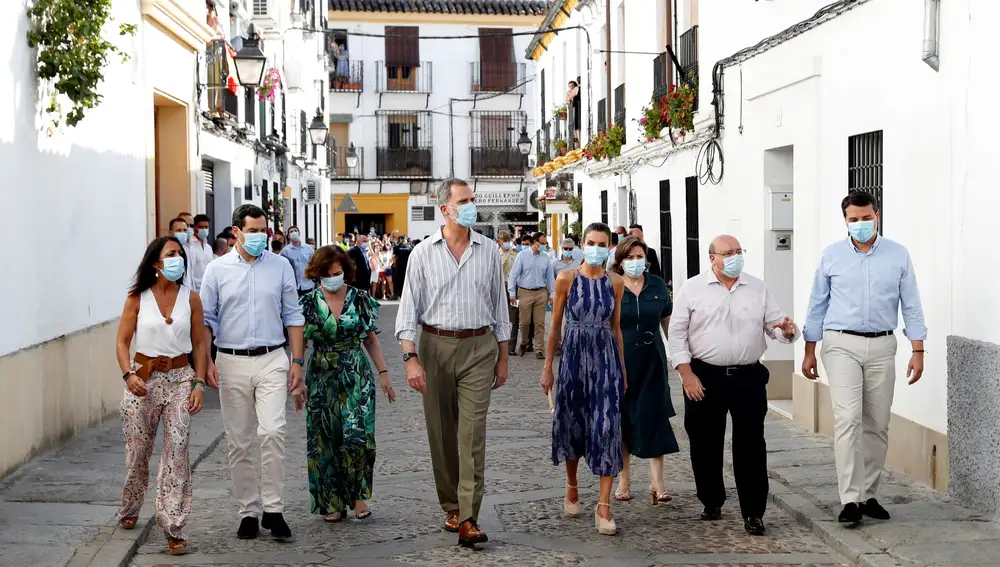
(165, 382)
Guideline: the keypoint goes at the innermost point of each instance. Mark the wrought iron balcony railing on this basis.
(688, 58)
(496, 77)
(497, 162)
(337, 158)
(404, 163)
(602, 115)
(404, 78)
(348, 77)
(620, 105)
(661, 66)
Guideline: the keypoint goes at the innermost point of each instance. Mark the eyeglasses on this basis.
(731, 253)
(567, 249)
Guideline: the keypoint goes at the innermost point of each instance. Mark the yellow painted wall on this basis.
(394, 207)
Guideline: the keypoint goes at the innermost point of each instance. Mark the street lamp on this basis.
(524, 142)
(352, 156)
(318, 129)
(250, 61)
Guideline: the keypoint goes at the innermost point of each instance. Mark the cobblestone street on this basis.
(522, 512)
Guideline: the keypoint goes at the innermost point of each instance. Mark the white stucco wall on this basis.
(75, 202)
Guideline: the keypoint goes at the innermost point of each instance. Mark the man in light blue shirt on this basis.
(249, 299)
(860, 286)
(532, 284)
(299, 255)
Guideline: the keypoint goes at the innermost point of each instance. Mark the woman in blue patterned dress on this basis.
(591, 374)
(340, 407)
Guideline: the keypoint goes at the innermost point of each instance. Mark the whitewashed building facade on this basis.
(814, 98)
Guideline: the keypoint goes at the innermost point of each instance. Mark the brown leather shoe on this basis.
(470, 534)
(451, 522)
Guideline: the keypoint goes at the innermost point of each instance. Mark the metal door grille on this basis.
(691, 202)
(666, 234)
(864, 168)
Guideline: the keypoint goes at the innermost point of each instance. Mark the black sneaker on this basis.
(873, 509)
(711, 513)
(275, 523)
(248, 528)
(851, 514)
(754, 526)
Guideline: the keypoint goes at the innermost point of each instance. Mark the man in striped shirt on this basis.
(454, 298)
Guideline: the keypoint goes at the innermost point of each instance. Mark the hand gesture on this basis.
(547, 380)
(294, 377)
(386, 386)
(692, 387)
(810, 369)
(135, 385)
(212, 376)
(196, 401)
(415, 375)
(787, 327)
(915, 369)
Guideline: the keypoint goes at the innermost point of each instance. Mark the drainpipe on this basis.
(451, 137)
(932, 19)
(607, 39)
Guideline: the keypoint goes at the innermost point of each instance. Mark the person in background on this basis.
(311, 242)
(280, 237)
(375, 263)
(401, 254)
(299, 254)
(227, 234)
(861, 285)
(178, 229)
(646, 406)
(165, 381)
(651, 257)
(345, 242)
(525, 244)
(340, 403)
(221, 247)
(190, 224)
(250, 300)
(592, 378)
(507, 258)
(573, 103)
(618, 235)
(532, 285)
(454, 298)
(566, 261)
(717, 336)
(362, 267)
(199, 251)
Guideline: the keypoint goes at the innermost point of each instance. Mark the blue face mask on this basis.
(634, 268)
(862, 231)
(333, 283)
(467, 215)
(293, 236)
(255, 243)
(182, 236)
(733, 265)
(203, 233)
(595, 255)
(190, 232)
(173, 268)
(505, 245)
(543, 248)
(567, 253)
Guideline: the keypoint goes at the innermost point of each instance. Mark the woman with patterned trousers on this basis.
(166, 320)
(340, 415)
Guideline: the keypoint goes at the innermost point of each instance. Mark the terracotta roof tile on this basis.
(473, 7)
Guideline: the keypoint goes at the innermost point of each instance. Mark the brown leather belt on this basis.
(460, 334)
(148, 364)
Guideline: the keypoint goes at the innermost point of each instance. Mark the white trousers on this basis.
(253, 390)
(862, 375)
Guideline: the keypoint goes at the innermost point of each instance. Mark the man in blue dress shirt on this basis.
(250, 298)
(859, 287)
(532, 284)
(299, 255)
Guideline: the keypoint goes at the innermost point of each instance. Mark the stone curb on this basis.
(123, 545)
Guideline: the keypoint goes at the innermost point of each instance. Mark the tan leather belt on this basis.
(460, 334)
(149, 364)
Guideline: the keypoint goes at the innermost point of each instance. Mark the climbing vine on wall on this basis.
(72, 52)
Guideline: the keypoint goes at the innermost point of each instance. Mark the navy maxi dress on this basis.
(589, 386)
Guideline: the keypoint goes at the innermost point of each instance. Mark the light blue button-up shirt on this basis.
(299, 256)
(247, 305)
(863, 291)
(532, 271)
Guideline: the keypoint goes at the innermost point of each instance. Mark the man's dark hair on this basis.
(243, 211)
(576, 239)
(858, 199)
(524, 238)
(537, 237)
(292, 227)
(635, 225)
(201, 218)
(276, 246)
(170, 225)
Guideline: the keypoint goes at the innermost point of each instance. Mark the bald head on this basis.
(723, 244)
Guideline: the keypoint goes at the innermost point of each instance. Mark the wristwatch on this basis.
(408, 355)
(127, 374)
(299, 361)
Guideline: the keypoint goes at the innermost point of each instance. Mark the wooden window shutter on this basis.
(402, 46)
(496, 51)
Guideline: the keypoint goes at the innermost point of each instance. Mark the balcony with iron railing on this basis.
(620, 105)
(496, 77)
(347, 77)
(688, 59)
(396, 78)
(501, 161)
(337, 160)
(662, 66)
(404, 162)
(493, 137)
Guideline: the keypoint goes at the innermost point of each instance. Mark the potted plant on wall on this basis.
(560, 146)
(560, 112)
(607, 144)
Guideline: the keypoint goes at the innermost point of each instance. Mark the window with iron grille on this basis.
(404, 144)
(691, 204)
(864, 168)
(602, 115)
(249, 103)
(303, 143)
(422, 213)
(688, 58)
(620, 105)
(493, 143)
(666, 234)
(604, 206)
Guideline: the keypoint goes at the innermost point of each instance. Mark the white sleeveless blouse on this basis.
(153, 336)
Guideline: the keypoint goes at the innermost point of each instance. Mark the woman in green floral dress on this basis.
(340, 407)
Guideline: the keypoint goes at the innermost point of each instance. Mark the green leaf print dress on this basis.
(340, 411)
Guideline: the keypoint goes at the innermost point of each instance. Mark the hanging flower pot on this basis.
(272, 83)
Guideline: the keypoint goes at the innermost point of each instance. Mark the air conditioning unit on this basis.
(532, 161)
(265, 15)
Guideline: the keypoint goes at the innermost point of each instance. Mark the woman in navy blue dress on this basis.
(591, 374)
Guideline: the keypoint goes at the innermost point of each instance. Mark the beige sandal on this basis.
(176, 546)
(570, 508)
(128, 523)
(604, 526)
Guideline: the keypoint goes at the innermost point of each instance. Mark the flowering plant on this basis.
(680, 108)
(654, 119)
(607, 144)
(270, 87)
